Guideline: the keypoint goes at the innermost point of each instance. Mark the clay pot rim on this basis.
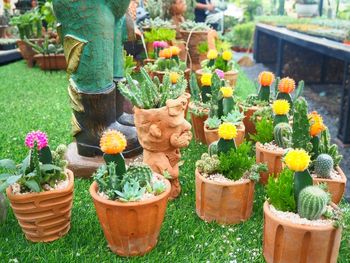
(240, 127)
(341, 173)
(287, 223)
(193, 32)
(93, 192)
(235, 183)
(259, 146)
(251, 108)
(49, 55)
(138, 110)
(68, 189)
(163, 72)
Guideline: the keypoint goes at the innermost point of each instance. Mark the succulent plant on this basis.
(323, 165)
(208, 164)
(282, 134)
(3, 208)
(139, 172)
(266, 79)
(159, 187)
(213, 123)
(235, 117)
(312, 202)
(190, 25)
(131, 192)
(301, 126)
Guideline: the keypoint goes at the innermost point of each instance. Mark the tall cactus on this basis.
(312, 202)
(283, 135)
(301, 126)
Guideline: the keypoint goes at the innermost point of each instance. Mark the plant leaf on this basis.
(49, 167)
(13, 179)
(32, 185)
(3, 186)
(8, 164)
(4, 177)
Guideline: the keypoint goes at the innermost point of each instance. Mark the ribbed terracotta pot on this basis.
(249, 125)
(51, 62)
(273, 159)
(335, 187)
(211, 135)
(224, 202)
(198, 127)
(230, 76)
(44, 216)
(194, 38)
(285, 242)
(131, 228)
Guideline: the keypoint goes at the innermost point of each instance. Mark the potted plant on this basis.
(160, 124)
(156, 23)
(135, 195)
(306, 8)
(40, 190)
(225, 182)
(299, 215)
(158, 34)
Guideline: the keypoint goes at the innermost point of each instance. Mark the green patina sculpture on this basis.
(93, 32)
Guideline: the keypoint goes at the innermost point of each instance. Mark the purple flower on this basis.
(220, 73)
(163, 44)
(156, 44)
(36, 136)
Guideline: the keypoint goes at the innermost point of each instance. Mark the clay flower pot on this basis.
(249, 125)
(44, 216)
(230, 76)
(335, 187)
(51, 61)
(240, 134)
(193, 38)
(131, 228)
(198, 125)
(211, 135)
(224, 202)
(286, 242)
(273, 159)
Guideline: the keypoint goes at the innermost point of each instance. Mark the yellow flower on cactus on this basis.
(227, 92)
(212, 54)
(174, 76)
(227, 131)
(297, 160)
(227, 55)
(206, 79)
(175, 51)
(281, 107)
(316, 123)
(112, 142)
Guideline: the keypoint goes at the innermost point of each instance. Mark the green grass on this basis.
(31, 99)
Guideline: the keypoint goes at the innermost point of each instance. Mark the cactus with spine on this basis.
(323, 165)
(326, 147)
(3, 208)
(283, 135)
(213, 148)
(139, 172)
(208, 164)
(312, 202)
(301, 126)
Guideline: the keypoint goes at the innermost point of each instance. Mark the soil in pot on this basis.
(225, 202)
(144, 220)
(335, 185)
(44, 216)
(288, 242)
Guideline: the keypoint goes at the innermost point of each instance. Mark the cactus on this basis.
(118, 160)
(3, 208)
(264, 93)
(227, 105)
(301, 126)
(213, 148)
(225, 146)
(278, 119)
(312, 202)
(208, 164)
(283, 135)
(324, 165)
(213, 123)
(326, 147)
(139, 172)
(194, 88)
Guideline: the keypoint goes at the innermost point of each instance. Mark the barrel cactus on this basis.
(139, 172)
(283, 135)
(324, 165)
(312, 202)
(3, 208)
(208, 164)
(213, 148)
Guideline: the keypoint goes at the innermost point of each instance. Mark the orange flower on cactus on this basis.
(112, 142)
(266, 78)
(175, 51)
(316, 124)
(165, 53)
(286, 85)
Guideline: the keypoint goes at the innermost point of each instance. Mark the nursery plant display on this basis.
(160, 123)
(159, 34)
(298, 215)
(133, 194)
(40, 190)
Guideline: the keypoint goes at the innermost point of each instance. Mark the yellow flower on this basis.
(206, 79)
(297, 160)
(227, 92)
(212, 54)
(175, 51)
(227, 55)
(112, 142)
(281, 107)
(227, 131)
(174, 76)
(316, 123)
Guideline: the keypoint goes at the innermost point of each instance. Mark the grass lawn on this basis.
(30, 100)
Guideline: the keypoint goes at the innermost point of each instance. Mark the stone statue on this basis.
(92, 32)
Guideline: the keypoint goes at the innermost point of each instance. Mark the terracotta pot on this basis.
(230, 76)
(335, 187)
(240, 134)
(273, 159)
(249, 125)
(198, 125)
(51, 62)
(44, 216)
(212, 135)
(224, 202)
(160, 75)
(193, 39)
(131, 228)
(27, 51)
(285, 242)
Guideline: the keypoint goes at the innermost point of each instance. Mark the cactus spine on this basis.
(283, 135)
(139, 172)
(301, 126)
(312, 202)
(324, 165)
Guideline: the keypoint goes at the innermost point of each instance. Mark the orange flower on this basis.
(165, 53)
(266, 78)
(286, 85)
(316, 124)
(112, 142)
(175, 51)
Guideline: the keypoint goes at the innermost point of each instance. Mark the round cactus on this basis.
(312, 202)
(213, 148)
(139, 172)
(208, 164)
(3, 208)
(324, 165)
(283, 135)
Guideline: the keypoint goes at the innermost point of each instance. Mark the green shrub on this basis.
(242, 35)
(160, 34)
(264, 131)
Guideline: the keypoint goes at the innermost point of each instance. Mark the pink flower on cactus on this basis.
(36, 136)
(220, 73)
(156, 44)
(163, 44)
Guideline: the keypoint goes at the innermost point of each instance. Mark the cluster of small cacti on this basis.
(282, 134)
(312, 202)
(323, 165)
(208, 164)
(139, 172)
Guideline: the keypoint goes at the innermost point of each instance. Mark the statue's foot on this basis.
(133, 146)
(126, 119)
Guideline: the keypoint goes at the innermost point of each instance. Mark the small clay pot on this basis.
(273, 159)
(160, 75)
(198, 125)
(335, 187)
(211, 135)
(194, 38)
(131, 228)
(286, 242)
(44, 216)
(249, 125)
(240, 134)
(51, 62)
(224, 202)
